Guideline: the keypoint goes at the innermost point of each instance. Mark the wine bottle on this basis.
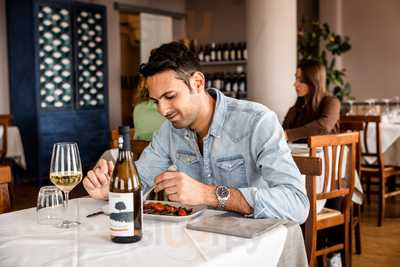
(213, 52)
(210, 82)
(232, 52)
(219, 52)
(239, 54)
(207, 51)
(226, 52)
(200, 54)
(125, 196)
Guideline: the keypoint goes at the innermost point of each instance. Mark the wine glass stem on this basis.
(66, 199)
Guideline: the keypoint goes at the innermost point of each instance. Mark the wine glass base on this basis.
(68, 224)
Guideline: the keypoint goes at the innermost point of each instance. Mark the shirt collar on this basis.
(219, 112)
(218, 117)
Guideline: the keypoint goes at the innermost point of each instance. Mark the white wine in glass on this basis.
(66, 172)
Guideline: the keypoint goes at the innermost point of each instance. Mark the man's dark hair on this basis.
(171, 56)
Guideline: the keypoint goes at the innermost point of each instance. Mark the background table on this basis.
(390, 140)
(15, 149)
(25, 243)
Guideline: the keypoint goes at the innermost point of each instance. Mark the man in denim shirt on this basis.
(230, 154)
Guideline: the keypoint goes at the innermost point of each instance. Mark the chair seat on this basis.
(387, 170)
(326, 213)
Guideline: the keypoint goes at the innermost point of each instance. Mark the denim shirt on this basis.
(244, 149)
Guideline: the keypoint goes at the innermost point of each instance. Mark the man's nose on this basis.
(162, 108)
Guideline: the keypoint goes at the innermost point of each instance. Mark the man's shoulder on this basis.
(246, 108)
(243, 116)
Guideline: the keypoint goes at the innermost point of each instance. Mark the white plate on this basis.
(196, 211)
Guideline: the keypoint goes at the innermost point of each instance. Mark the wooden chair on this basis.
(377, 173)
(334, 187)
(355, 126)
(137, 145)
(5, 180)
(5, 122)
(310, 167)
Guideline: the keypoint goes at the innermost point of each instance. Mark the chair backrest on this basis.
(368, 120)
(353, 126)
(5, 121)
(5, 179)
(137, 145)
(334, 183)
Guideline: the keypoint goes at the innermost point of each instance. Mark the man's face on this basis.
(174, 100)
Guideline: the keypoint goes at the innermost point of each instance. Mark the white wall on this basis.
(373, 64)
(4, 88)
(216, 20)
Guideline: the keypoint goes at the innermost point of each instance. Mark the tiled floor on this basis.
(380, 245)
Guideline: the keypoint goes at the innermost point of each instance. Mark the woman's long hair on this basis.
(313, 74)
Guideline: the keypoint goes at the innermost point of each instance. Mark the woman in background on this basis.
(146, 118)
(315, 112)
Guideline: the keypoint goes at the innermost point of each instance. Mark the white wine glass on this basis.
(351, 111)
(66, 173)
(371, 106)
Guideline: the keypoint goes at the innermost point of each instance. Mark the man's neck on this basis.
(205, 117)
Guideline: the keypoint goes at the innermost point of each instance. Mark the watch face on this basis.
(222, 192)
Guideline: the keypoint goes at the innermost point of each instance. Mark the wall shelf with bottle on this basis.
(219, 53)
(233, 84)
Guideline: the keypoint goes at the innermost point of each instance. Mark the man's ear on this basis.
(198, 81)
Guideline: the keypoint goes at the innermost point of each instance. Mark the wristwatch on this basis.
(222, 193)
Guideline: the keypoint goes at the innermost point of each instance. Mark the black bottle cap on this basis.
(123, 130)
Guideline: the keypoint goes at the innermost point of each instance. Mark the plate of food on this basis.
(167, 211)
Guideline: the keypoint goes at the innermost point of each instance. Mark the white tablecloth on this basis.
(25, 243)
(303, 150)
(390, 140)
(15, 149)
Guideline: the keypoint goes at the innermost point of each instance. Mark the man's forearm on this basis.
(236, 201)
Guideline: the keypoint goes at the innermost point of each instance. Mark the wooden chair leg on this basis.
(357, 228)
(381, 209)
(368, 189)
(347, 245)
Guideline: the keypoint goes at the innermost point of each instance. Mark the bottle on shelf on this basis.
(226, 52)
(228, 83)
(125, 195)
(219, 52)
(232, 52)
(200, 53)
(207, 55)
(209, 80)
(213, 52)
(239, 51)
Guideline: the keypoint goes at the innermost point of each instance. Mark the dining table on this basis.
(24, 242)
(15, 148)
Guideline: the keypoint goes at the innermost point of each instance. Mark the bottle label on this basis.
(226, 55)
(121, 214)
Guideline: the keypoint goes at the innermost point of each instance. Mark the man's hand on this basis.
(182, 188)
(97, 181)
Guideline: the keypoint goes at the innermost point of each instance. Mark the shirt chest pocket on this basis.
(232, 171)
(188, 163)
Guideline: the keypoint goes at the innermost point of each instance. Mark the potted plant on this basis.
(319, 42)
